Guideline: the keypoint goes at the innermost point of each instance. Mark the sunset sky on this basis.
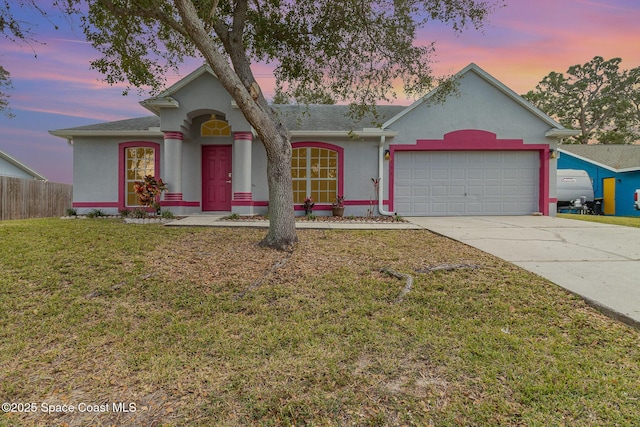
(54, 87)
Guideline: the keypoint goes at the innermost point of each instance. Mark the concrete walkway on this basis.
(599, 262)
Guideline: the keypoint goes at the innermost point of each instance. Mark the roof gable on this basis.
(165, 98)
(298, 118)
(473, 68)
(4, 157)
(187, 80)
(617, 158)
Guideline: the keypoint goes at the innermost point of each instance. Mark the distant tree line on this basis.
(597, 98)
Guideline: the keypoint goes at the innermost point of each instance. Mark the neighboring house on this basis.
(614, 171)
(485, 151)
(13, 168)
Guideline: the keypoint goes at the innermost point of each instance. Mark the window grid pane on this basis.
(140, 162)
(215, 127)
(319, 174)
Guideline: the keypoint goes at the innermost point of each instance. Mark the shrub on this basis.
(149, 190)
(139, 213)
(95, 213)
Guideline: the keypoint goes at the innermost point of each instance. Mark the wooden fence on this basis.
(28, 198)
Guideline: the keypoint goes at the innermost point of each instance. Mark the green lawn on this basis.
(200, 327)
(628, 221)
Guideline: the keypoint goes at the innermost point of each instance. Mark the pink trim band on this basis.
(243, 136)
(172, 197)
(179, 203)
(242, 197)
(248, 203)
(96, 205)
(478, 140)
(173, 135)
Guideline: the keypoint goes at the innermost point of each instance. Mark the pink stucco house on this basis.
(484, 151)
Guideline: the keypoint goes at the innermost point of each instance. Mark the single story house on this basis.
(483, 151)
(613, 169)
(13, 168)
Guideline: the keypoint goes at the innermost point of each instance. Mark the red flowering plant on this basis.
(308, 205)
(148, 190)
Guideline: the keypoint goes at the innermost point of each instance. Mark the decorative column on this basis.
(241, 181)
(172, 172)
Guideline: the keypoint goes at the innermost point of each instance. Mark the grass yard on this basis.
(199, 327)
(627, 221)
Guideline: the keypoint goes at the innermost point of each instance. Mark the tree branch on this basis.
(407, 286)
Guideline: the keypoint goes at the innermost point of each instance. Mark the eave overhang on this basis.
(562, 133)
(156, 104)
(70, 134)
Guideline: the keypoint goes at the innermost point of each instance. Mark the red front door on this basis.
(216, 177)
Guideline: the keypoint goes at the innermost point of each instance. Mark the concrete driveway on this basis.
(599, 262)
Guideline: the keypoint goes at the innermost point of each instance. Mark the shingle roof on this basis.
(296, 117)
(614, 156)
(332, 117)
(136, 124)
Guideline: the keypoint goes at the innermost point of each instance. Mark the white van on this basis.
(572, 185)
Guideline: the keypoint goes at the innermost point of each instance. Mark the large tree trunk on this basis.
(241, 85)
(282, 226)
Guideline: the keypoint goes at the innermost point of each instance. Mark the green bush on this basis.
(139, 213)
(95, 213)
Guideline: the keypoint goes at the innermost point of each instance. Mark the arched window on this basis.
(316, 169)
(215, 127)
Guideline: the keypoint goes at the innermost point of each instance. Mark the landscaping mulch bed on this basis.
(314, 218)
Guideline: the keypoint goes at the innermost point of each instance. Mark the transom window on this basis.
(315, 173)
(140, 162)
(215, 127)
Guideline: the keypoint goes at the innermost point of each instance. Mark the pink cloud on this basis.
(525, 41)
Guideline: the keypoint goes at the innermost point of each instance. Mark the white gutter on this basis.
(70, 133)
(381, 209)
(562, 133)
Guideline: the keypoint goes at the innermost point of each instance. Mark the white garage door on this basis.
(441, 183)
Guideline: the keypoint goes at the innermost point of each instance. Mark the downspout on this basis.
(381, 209)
